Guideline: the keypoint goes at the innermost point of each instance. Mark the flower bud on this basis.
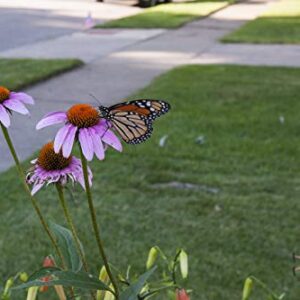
(23, 276)
(182, 295)
(103, 276)
(109, 295)
(9, 283)
(32, 293)
(184, 267)
(48, 262)
(152, 256)
(247, 288)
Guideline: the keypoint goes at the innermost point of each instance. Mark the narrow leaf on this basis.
(68, 278)
(68, 247)
(43, 272)
(133, 290)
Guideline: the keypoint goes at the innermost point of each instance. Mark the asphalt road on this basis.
(25, 22)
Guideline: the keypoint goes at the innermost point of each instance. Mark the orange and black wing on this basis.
(133, 128)
(151, 109)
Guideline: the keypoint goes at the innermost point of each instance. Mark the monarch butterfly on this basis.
(133, 119)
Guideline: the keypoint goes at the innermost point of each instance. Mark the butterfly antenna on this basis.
(95, 98)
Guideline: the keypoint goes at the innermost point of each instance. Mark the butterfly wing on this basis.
(133, 119)
(151, 109)
(131, 126)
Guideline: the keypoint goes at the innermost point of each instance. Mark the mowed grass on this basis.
(19, 73)
(251, 226)
(170, 15)
(280, 24)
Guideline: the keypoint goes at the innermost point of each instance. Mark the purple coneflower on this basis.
(82, 122)
(11, 101)
(51, 167)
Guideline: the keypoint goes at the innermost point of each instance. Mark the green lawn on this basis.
(251, 226)
(281, 24)
(19, 73)
(167, 15)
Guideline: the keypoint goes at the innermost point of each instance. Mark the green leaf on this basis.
(184, 267)
(133, 290)
(68, 247)
(67, 278)
(43, 272)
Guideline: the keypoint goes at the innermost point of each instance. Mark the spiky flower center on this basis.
(51, 161)
(83, 115)
(4, 93)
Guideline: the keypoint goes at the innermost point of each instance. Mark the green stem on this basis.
(32, 199)
(71, 224)
(95, 224)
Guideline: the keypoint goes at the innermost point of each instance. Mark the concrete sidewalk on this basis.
(114, 75)
(250, 54)
(86, 45)
(27, 22)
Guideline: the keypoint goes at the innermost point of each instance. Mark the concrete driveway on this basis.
(25, 22)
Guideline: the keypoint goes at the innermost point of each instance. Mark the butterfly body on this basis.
(133, 119)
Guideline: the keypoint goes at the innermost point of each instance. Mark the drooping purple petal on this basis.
(4, 117)
(90, 175)
(23, 97)
(86, 144)
(98, 145)
(51, 119)
(16, 105)
(69, 141)
(36, 188)
(80, 179)
(112, 140)
(61, 136)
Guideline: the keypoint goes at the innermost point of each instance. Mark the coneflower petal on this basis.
(36, 188)
(111, 139)
(86, 144)
(61, 136)
(26, 99)
(69, 141)
(98, 145)
(16, 105)
(4, 117)
(52, 119)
